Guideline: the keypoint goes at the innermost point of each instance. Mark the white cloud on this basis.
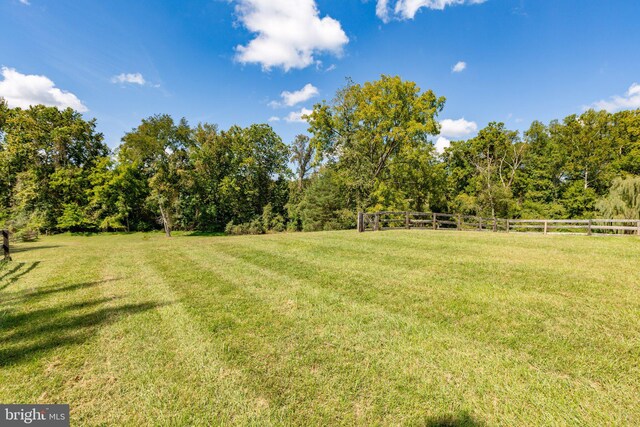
(274, 119)
(453, 129)
(132, 78)
(457, 128)
(289, 99)
(631, 100)
(382, 10)
(407, 9)
(289, 33)
(441, 144)
(459, 67)
(25, 2)
(24, 90)
(296, 116)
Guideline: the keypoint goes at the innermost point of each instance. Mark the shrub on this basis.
(26, 235)
(267, 222)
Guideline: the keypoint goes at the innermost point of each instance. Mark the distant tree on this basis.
(623, 200)
(302, 156)
(588, 148)
(368, 127)
(235, 174)
(370, 149)
(46, 156)
(541, 183)
(324, 205)
(4, 112)
(414, 181)
(489, 163)
(158, 147)
(625, 133)
(115, 196)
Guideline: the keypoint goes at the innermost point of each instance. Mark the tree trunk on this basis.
(165, 221)
(586, 179)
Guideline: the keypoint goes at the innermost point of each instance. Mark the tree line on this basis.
(370, 148)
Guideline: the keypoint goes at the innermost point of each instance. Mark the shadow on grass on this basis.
(103, 233)
(16, 272)
(25, 247)
(462, 419)
(11, 268)
(205, 234)
(43, 291)
(29, 334)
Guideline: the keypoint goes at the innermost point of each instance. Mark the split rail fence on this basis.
(378, 221)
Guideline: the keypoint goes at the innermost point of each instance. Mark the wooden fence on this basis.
(437, 221)
(5, 245)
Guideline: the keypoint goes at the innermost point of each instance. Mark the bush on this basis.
(267, 222)
(277, 224)
(253, 227)
(26, 235)
(24, 228)
(323, 205)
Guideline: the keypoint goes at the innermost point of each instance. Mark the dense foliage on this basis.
(370, 148)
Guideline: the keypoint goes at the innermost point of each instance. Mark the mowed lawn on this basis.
(335, 328)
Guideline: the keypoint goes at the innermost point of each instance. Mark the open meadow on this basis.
(332, 328)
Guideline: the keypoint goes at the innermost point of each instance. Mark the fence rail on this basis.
(388, 220)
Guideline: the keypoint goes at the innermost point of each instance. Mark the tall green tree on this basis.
(158, 147)
(625, 132)
(489, 165)
(302, 157)
(589, 148)
(115, 197)
(46, 156)
(236, 173)
(541, 183)
(368, 127)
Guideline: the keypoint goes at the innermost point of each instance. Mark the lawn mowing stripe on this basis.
(175, 368)
(296, 327)
(252, 255)
(531, 287)
(367, 279)
(56, 320)
(265, 288)
(272, 262)
(406, 248)
(259, 320)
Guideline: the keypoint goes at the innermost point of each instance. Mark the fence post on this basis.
(546, 226)
(480, 223)
(376, 222)
(5, 245)
(435, 222)
(589, 228)
(495, 225)
(638, 228)
(360, 222)
(458, 220)
(508, 226)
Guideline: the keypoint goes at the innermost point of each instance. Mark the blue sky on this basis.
(228, 62)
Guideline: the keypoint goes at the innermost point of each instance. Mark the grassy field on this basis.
(393, 328)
